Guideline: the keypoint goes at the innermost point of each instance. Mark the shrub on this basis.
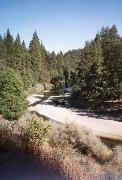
(82, 140)
(87, 142)
(29, 133)
(59, 137)
(117, 158)
(39, 130)
(12, 96)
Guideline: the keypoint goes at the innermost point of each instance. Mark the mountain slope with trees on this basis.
(98, 76)
(95, 71)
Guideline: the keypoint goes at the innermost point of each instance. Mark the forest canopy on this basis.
(94, 72)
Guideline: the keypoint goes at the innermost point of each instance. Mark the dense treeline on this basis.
(95, 71)
(99, 72)
(35, 64)
(22, 68)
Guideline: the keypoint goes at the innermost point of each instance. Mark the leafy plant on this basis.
(12, 95)
(39, 131)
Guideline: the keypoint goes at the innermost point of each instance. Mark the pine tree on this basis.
(3, 53)
(44, 75)
(89, 78)
(12, 96)
(26, 63)
(26, 73)
(18, 54)
(2, 49)
(9, 44)
(35, 56)
(111, 51)
(60, 63)
(52, 64)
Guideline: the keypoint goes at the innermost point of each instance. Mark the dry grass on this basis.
(81, 139)
(117, 156)
(74, 152)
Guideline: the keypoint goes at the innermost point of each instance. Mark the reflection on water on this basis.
(16, 166)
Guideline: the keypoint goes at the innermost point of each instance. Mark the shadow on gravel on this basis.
(64, 102)
(16, 166)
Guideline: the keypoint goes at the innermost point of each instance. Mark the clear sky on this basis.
(60, 24)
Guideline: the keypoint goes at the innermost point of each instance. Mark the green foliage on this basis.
(9, 44)
(58, 82)
(39, 131)
(99, 72)
(12, 97)
(3, 50)
(35, 56)
(95, 71)
(36, 62)
(71, 59)
(27, 79)
(20, 57)
(111, 45)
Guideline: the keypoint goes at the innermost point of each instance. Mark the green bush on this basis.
(12, 95)
(39, 130)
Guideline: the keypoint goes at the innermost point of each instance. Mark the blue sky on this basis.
(60, 24)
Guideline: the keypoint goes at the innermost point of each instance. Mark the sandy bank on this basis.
(103, 127)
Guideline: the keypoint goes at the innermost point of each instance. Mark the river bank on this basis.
(101, 126)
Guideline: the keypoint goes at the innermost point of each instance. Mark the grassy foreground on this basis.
(76, 153)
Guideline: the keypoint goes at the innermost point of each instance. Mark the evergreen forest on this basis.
(94, 71)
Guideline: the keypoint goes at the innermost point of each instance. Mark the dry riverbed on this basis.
(101, 126)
